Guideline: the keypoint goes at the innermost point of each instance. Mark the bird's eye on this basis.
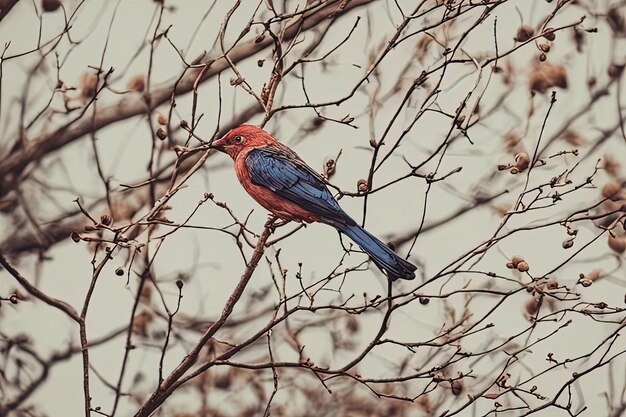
(238, 139)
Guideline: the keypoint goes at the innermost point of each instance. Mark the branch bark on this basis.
(5, 7)
(165, 389)
(14, 164)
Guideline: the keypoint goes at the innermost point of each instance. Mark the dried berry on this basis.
(89, 85)
(523, 266)
(352, 325)
(618, 244)
(119, 272)
(161, 134)
(137, 83)
(162, 120)
(612, 191)
(616, 21)
(522, 161)
(361, 185)
(516, 260)
(223, 381)
(50, 5)
(549, 34)
(524, 33)
(546, 76)
(329, 168)
(532, 306)
(457, 387)
(615, 70)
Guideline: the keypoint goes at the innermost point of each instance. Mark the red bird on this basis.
(285, 185)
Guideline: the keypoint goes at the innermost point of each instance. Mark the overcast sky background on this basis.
(212, 259)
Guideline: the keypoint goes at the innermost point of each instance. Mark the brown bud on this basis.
(542, 57)
(75, 237)
(184, 124)
(516, 260)
(329, 168)
(352, 324)
(457, 387)
(546, 76)
(510, 265)
(137, 83)
(119, 272)
(612, 191)
(585, 282)
(161, 134)
(50, 5)
(618, 244)
(532, 306)
(522, 160)
(616, 21)
(549, 34)
(236, 81)
(105, 219)
(162, 120)
(88, 84)
(260, 62)
(568, 243)
(552, 284)
(523, 266)
(595, 275)
(361, 185)
(179, 284)
(424, 300)
(544, 47)
(524, 33)
(141, 322)
(223, 381)
(13, 299)
(592, 81)
(615, 70)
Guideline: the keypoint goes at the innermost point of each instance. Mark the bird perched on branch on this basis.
(284, 184)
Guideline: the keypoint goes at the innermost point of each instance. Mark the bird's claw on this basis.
(271, 219)
(274, 223)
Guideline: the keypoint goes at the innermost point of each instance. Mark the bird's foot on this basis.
(280, 223)
(271, 222)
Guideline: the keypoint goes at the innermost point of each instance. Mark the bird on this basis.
(280, 181)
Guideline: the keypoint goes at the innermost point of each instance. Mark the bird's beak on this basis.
(219, 145)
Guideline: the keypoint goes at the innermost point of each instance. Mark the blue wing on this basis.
(282, 171)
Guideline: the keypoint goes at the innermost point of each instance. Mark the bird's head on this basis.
(242, 137)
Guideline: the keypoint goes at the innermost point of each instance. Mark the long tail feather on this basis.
(382, 255)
